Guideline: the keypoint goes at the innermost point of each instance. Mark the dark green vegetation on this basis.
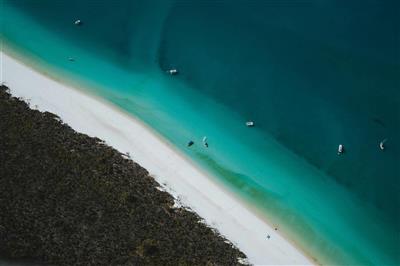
(66, 198)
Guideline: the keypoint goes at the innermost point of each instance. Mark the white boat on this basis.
(205, 141)
(78, 22)
(382, 144)
(172, 71)
(71, 59)
(250, 123)
(340, 149)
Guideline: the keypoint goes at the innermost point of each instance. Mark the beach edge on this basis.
(191, 186)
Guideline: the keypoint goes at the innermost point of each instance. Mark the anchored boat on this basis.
(250, 123)
(205, 141)
(172, 71)
(340, 149)
(382, 144)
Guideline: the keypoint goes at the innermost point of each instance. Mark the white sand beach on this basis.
(194, 188)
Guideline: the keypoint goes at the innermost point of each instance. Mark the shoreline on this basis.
(90, 115)
(87, 194)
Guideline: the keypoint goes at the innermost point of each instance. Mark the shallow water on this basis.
(311, 74)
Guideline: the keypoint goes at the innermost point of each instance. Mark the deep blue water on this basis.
(312, 74)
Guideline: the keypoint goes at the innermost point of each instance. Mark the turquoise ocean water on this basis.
(311, 74)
